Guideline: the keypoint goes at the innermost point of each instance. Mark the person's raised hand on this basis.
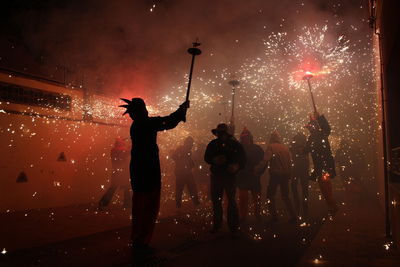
(186, 104)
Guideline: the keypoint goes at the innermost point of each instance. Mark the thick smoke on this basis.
(139, 47)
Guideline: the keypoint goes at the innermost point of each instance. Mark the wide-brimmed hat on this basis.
(221, 128)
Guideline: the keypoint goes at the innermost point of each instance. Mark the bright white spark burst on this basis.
(273, 95)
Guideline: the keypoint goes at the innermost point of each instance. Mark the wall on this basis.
(33, 138)
(388, 28)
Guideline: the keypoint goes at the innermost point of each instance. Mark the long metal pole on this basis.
(233, 105)
(190, 77)
(233, 83)
(312, 96)
(194, 51)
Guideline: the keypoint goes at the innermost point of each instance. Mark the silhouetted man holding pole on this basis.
(324, 165)
(145, 170)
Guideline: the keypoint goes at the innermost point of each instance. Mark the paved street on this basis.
(83, 236)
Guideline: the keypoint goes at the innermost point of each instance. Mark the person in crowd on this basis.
(226, 157)
(248, 179)
(145, 170)
(300, 173)
(119, 174)
(201, 173)
(324, 165)
(277, 155)
(184, 172)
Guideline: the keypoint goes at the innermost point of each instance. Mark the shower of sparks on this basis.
(272, 94)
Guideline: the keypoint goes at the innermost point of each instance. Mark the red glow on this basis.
(325, 177)
(309, 69)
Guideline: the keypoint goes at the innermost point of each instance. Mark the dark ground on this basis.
(81, 236)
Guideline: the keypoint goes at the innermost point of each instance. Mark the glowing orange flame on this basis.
(325, 177)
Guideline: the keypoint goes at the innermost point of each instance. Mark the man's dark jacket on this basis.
(231, 149)
(320, 149)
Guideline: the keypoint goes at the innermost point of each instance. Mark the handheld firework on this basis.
(308, 75)
(194, 51)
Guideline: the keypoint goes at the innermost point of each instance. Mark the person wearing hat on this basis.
(248, 179)
(278, 156)
(300, 173)
(145, 170)
(324, 165)
(119, 175)
(184, 172)
(226, 157)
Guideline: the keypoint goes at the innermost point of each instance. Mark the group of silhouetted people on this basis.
(235, 166)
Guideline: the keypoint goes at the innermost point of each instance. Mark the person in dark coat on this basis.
(119, 175)
(145, 170)
(201, 173)
(300, 172)
(277, 155)
(248, 179)
(226, 157)
(184, 172)
(324, 165)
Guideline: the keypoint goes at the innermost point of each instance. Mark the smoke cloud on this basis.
(139, 47)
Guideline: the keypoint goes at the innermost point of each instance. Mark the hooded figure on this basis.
(119, 175)
(321, 154)
(200, 171)
(226, 157)
(184, 172)
(300, 172)
(248, 179)
(278, 156)
(145, 167)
